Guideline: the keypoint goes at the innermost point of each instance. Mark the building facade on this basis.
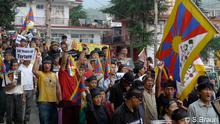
(60, 22)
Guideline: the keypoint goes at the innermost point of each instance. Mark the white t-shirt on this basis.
(27, 76)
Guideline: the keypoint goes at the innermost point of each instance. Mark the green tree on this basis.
(212, 46)
(77, 13)
(139, 16)
(7, 13)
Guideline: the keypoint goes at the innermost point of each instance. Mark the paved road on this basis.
(34, 119)
(34, 115)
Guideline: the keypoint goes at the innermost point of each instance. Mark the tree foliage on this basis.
(77, 13)
(139, 15)
(212, 46)
(7, 13)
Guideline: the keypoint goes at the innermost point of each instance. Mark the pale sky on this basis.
(95, 3)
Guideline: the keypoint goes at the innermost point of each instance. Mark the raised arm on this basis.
(158, 80)
(36, 65)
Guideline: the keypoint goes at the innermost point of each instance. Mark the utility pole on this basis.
(48, 19)
(155, 30)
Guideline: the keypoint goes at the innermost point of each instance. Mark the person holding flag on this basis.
(71, 89)
(186, 33)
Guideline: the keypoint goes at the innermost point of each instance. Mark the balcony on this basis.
(212, 13)
(40, 21)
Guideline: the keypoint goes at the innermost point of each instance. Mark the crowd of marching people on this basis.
(82, 87)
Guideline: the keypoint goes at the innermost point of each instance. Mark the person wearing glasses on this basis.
(128, 112)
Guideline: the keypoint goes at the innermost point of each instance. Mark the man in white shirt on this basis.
(14, 95)
(201, 111)
(27, 80)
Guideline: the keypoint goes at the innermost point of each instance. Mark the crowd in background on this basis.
(139, 96)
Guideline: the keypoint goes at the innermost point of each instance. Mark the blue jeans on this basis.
(48, 113)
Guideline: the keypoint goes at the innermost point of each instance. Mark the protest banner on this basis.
(78, 45)
(25, 53)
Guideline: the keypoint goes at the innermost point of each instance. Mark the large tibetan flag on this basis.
(29, 19)
(189, 27)
(107, 64)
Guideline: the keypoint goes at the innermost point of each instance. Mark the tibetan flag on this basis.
(74, 45)
(107, 64)
(143, 56)
(71, 66)
(83, 109)
(98, 66)
(189, 27)
(29, 18)
(79, 85)
(194, 71)
(3, 68)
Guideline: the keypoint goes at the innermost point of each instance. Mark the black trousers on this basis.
(14, 109)
(2, 104)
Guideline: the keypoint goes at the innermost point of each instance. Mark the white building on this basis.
(59, 20)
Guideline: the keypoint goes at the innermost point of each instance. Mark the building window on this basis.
(58, 10)
(56, 36)
(40, 6)
(22, 4)
(91, 35)
(75, 35)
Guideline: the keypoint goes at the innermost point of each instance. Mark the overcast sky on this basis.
(95, 3)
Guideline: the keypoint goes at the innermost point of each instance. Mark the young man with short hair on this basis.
(27, 79)
(149, 99)
(201, 111)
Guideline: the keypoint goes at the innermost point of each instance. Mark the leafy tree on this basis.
(77, 13)
(212, 46)
(7, 14)
(138, 15)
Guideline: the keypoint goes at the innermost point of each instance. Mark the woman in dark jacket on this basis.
(96, 113)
